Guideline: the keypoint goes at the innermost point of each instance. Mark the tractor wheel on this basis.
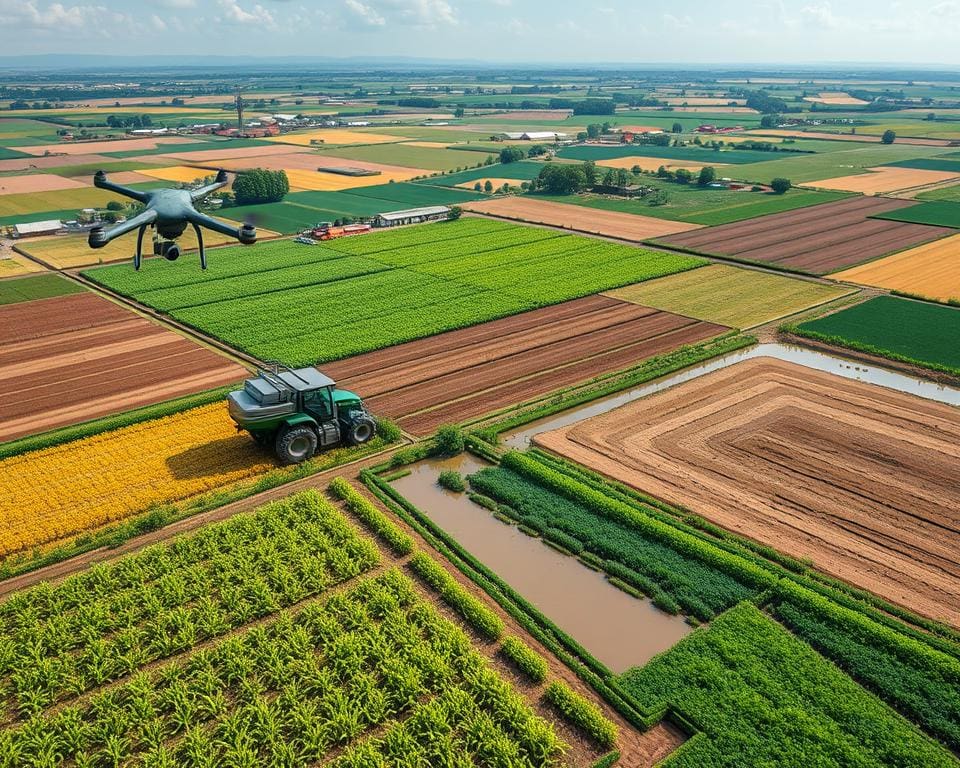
(361, 431)
(296, 444)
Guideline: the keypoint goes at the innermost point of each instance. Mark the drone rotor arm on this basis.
(99, 237)
(220, 183)
(246, 234)
(100, 180)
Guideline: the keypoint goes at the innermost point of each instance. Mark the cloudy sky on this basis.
(640, 31)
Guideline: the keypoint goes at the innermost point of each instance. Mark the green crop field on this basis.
(739, 298)
(941, 214)
(949, 194)
(414, 195)
(280, 648)
(36, 287)
(303, 304)
(763, 697)
(523, 170)
(27, 203)
(427, 158)
(9, 154)
(692, 154)
(689, 202)
(929, 164)
(911, 331)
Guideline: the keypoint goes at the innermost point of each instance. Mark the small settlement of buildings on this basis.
(38, 228)
(533, 136)
(412, 216)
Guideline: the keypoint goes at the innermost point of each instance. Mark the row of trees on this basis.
(260, 186)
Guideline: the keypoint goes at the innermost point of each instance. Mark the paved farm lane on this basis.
(467, 373)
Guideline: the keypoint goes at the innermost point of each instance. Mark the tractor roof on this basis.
(303, 379)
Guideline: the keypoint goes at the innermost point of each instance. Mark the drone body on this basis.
(169, 212)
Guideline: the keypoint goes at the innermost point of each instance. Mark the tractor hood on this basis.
(344, 398)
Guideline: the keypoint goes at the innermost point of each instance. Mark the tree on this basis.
(593, 130)
(581, 135)
(769, 121)
(511, 154)
(595, 107)
(260, 186)
(780, 185)
(458, 112)
(678, 128)
(608, 178)
(683, 175)
(707, 176)
(888, 137)
(661, 140)
(590, 173)
(620, 177)
(562, 179)
(488, 186)
(478, 187)
(115, 205)
(536, 150)
(455, 212)
(636, 170)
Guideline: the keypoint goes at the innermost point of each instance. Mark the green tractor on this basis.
(297, 412)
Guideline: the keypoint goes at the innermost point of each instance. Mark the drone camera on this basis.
(170, 251)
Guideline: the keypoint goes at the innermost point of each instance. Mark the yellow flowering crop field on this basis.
(54, 493)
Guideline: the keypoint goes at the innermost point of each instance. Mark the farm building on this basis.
(37, 228)
(533, 136)
(412, 216)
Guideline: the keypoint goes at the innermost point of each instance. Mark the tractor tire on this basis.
(362, 430)
(295, 445)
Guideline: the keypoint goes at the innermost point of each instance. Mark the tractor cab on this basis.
(297, 412)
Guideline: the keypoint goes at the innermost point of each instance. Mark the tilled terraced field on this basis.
(858, 478)
(467, 373)
(819, 239)
(74, 358)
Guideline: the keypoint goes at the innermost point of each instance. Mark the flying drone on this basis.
(168, 212)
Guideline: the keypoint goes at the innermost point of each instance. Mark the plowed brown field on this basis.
(593, 220)
(818, 239)
(74, 358)
(860, 479)
(467, 373)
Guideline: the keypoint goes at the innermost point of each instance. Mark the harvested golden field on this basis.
(54, 493)
(53, 161)
(316, 181)
(859, 479)
(704, 101)
(37, 182)
(731, 296)
(794, 134)
(837, 98)
(538, 114)
(653, 163)
(334, 136)
(14, 265)
(627, 226)
(179, 173)
(92, 147)
(931, 270)
(884, 179)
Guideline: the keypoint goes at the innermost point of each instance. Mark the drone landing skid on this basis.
(158, 250)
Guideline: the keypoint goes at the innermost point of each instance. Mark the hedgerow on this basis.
(527, 660)
(582, 713)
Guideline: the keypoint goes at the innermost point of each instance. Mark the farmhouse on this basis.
(412, 216)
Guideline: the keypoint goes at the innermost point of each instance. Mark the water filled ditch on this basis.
(520, 438)
(618, 629)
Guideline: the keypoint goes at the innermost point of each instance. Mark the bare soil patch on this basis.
(119, 145)
(884, 179)
(37, 182)
(626, 226)
(858, 478)
(465, 374)
(74, 358)
(818, 239)
(786, 133)
(53, 161)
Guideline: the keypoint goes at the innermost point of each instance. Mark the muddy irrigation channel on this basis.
(521, 437)
(621, 631)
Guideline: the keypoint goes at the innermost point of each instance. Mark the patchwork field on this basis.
(799, 460)
(654, 163)
(333, 182)
(931, 270)
(15, 265)
(820, 239)
(826, 135)
(697, 155)
(335, 136)
(941, 214)
(36, 182)
(178, 173)
(54, 161)
(739, 298)
(885, 179)
(464, 374)
(95, 147)
(610, 223)
(382, 288)
(37, 287)
(78, 357)
(912, 331)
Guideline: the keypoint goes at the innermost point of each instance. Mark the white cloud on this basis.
(367, 13)
(158, 24)
(948, 8)
(676, 22)
(819, 16)
(517, 26)
(232, 12)
(413, 13)
(56, 15)
(178, 3)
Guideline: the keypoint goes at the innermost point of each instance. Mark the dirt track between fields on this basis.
(625, 226)
(74, 358)
(818, 239)
(461, 375)
(857, 478)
